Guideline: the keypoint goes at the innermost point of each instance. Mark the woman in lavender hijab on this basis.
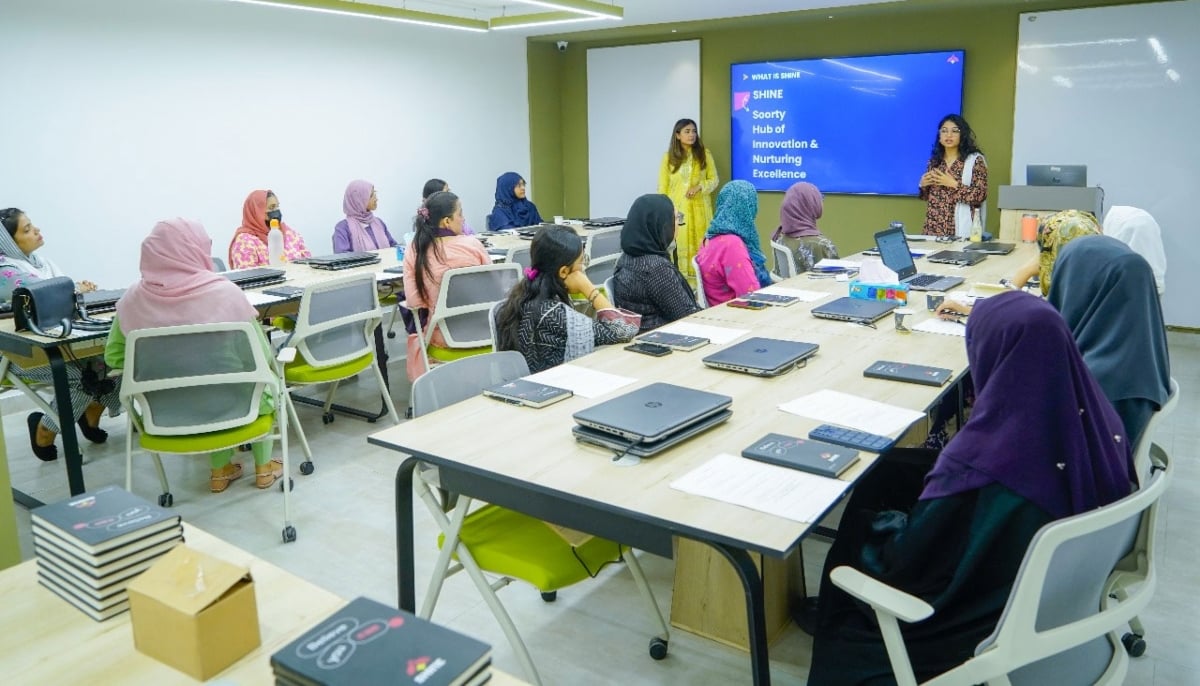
(1042, 443)
(361, 230)
(802, 207)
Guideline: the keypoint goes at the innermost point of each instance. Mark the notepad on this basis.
(843, 409)
(584, 382)
(797, 293)
(778, 491)
(942, 326)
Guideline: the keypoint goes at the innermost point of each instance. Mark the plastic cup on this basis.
(903, 318)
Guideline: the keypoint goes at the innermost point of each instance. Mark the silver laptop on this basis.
(345, 260)
(254, 277)
(761, 356)
(893, 250)
(585, 434)
(1056, 175)
(961, 258)
(653, 412)
(991, 248)
(857, 310)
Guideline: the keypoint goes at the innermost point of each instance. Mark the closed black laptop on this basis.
(761, 356)
(255, 277)
(345, 260)
(991, 248)
(653, 412)
(857, 310)
(959, 258)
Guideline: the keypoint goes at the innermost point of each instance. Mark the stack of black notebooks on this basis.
(367, 642)
(91, 546)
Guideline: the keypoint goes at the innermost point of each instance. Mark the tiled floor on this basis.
(597, 632)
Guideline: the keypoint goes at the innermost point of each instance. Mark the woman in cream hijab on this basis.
(1137, 229)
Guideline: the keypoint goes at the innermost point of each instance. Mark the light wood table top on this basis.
(51, 642)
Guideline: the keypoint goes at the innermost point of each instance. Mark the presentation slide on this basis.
(860, 125)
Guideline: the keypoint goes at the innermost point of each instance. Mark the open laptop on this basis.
(345, 260)
(653, 412)
(585, 434)
(99, 302)
(254, 277)
(1056, 175)
(991, 248)
(961, 258)
(857, 310)
(761, 356)
(893, 250)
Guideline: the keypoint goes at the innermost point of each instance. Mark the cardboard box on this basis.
(194, 612)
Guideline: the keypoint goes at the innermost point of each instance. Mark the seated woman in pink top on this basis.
(249, 245)
(437, 246)
(731, 260)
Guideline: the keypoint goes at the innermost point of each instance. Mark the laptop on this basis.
(991, 248)
(99, 302)
(254, 277)
(893, 250)
(653, 412)
(857, 310)
(603, 222)
(1056, 175)
(345, 260)
(761, 356)
(585, 434)
(961, 258)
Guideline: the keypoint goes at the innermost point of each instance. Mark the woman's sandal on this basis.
(93, 433)
(45, 453)
(267, 474)
(227, 474)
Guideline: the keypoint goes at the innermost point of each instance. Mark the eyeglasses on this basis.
(949, 131)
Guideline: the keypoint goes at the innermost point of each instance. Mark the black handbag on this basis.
(44, 304)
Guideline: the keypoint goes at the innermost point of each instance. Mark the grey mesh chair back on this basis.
(600, 269)
(336, 320)
(602, 243)
(520, 255)
(465, 301)
(785, 262)
(456, 381)
(195, 379)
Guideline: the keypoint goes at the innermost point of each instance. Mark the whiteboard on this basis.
(636, 93)
(1118, 89)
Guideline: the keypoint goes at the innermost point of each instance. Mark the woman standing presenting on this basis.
(688, 176)
(955, 181)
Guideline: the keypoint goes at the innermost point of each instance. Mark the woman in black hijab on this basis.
(645, 280)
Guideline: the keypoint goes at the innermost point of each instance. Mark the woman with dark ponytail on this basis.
(538, 321)
(437, 246)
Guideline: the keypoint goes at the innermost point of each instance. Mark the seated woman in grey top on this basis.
(645, 280)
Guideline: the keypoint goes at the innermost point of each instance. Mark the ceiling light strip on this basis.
(589, 7)
(520, 21)
(395, 14)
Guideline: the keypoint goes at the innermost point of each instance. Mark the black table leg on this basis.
(407, 593)
(756, 617)
(66, 420)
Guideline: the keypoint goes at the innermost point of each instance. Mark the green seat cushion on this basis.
(451, 354)
(516, 545)
(207, 442)
(300, 371)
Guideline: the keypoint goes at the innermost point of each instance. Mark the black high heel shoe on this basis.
(45, 453)
(93, 433)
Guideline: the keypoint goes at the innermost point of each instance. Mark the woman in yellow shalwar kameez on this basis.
(688, 176)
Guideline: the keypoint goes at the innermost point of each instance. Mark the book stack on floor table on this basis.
(91, 546)
(367, 642)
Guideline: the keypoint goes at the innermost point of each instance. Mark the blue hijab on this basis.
(510, 211)
(737, 206)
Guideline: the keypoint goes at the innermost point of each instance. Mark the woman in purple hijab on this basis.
(802, 207)
(1042, 443)
(361, 230)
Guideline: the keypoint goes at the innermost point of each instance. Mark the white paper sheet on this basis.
(873, 270)
(258, 298)
(845, 264)
(843, 409)
(719, 335)
(779, 491)
(798, 293)
(935, 325)
(584, 382)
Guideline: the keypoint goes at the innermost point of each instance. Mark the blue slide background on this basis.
(874, 119)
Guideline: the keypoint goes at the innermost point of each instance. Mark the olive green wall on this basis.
(986, 31)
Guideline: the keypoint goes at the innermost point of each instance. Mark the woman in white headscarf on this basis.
(1137, 229)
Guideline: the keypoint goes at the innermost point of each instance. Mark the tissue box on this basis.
(891, 292)
(194, 612)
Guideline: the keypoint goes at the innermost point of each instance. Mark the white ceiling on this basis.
(637, 12)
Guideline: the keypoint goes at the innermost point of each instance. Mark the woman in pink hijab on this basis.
(361, 230)
(178, 286)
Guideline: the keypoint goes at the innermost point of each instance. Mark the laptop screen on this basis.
(893, 250)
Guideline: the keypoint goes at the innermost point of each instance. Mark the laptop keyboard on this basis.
(924, 280)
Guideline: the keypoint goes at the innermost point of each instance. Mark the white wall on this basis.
(118, 113)
(635, 95)
(1091, 89)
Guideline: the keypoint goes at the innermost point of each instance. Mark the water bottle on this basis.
(976, 227)
(275, 244)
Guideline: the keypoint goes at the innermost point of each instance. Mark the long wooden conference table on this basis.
(527, 460)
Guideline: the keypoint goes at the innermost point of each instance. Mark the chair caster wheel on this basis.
(327, 418)
(166, 500)
(291, 485)
(289, 534)
(658, 648)
(244, 448)
(550, 597)
(306, 468)
(391, 334)
(1134, 645)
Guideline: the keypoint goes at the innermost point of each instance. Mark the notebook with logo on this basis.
(805, 454)
(528, 393)
(653, 412)
(849, 309)
(911, 373)
(761, 356)
(893, 250)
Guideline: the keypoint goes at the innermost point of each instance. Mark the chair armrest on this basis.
(880, 596)
(286, 355)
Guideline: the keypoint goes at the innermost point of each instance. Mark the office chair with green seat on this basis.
(462, 312)
(501, 541)
(197, 389)
(334, 340)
